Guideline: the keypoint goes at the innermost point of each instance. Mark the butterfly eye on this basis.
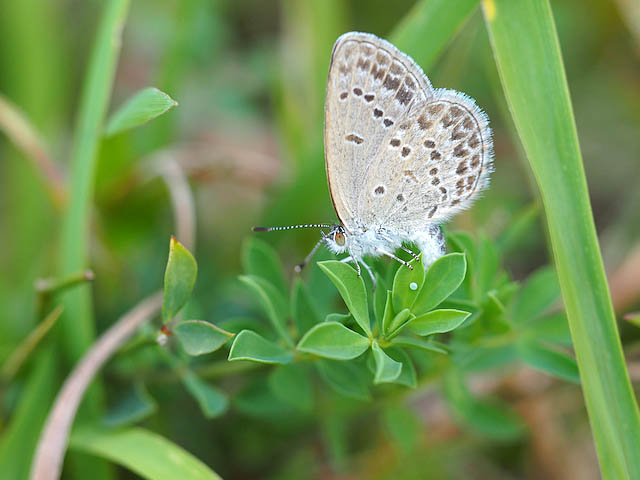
(339, 239)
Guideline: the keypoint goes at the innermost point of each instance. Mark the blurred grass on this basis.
(528, 54)
(429, 27)
(76, 328)
(77, 320)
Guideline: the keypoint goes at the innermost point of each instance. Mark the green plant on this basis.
(461, 315)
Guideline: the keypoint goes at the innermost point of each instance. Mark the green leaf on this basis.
(520, 229)
(379, 300)
(387, 369)
(211, 400)
(338, 317)
(399, 320)
(437, 321)
(480, 359)
(20, 436)
(179, 279)
(273, 303)
(143, 452)
(76, 328)
(388, 315)
(249, 345)
(527, 52)
(537, 295)
(303, 311)
(548, 361)
(463, 243)
(145, 105)
(261, 260)
(406, 285)
(346, 378)
(407, 375)
(487, 266)
(292, 385)
(258, 400)
(429, 27)
(198, 337)
(237, 324)
(133, 404)
(552, 328)
(441, 280)
(352, 290)
(492, 418)
(333, 340)
(419, 343)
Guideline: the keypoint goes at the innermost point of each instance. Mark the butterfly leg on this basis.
(415, 256)
(298, 268)
(373, 278)
(351, 259)
(391, 255)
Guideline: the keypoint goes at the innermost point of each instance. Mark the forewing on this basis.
(372, 89)
(434, 164)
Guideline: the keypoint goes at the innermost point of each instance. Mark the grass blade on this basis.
(429, 27)
(77, 320)
(143, 452)
(528, 56)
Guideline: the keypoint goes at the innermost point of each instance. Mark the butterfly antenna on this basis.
(298, 268)
(290, 227)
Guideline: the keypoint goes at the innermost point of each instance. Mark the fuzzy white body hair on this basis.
(376, 242)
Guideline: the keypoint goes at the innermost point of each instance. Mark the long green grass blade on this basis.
(19, 438)
(143, 452)
(528, 56)
(76, 326)
(77, 320)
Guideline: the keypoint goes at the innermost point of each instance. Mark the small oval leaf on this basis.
(292, 385)
(179, 278)
(143, 106)
(379, 300)
(419, 343)
(408, 375)
(249, 345)
(273, 303)
(442, 279)
(398, 321)
(491, 417)
(388, 314)
(211, 400)
(387, 369)
(352, 290)
(537, 295)
(303, 311)
(347, 378)
(407, 285)
(437, 321)
(198, 337)
(549, 361)
(261, 260)
(333, 340)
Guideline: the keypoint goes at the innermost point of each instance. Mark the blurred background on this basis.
(246, 138)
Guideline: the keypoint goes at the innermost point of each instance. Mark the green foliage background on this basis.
(270, 374)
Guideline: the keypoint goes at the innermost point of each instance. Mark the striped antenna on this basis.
(291, 227)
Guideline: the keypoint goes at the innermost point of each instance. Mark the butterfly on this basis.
(401, 157)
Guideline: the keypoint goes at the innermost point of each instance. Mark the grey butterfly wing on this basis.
(436, 161)
(372, 88)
